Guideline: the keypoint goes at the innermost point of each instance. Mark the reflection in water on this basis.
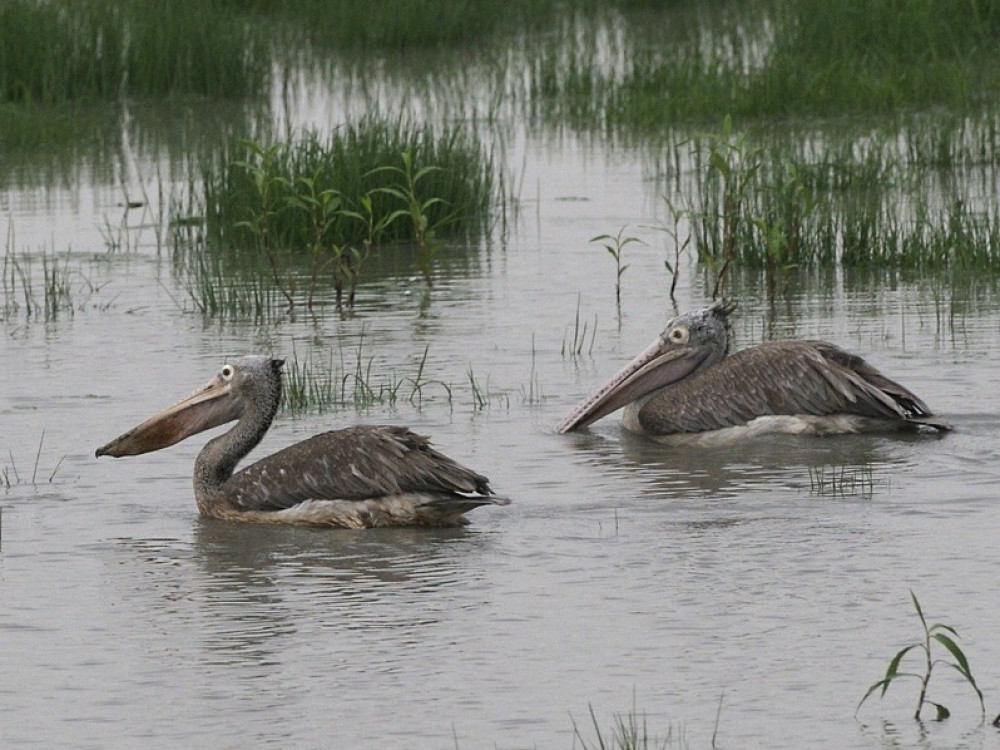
(247, 593)
(833, 466)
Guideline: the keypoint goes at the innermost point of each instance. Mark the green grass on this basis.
(303, 215)
(766, 60)
(400, 25)
(350, 378)
(944, 636)
(629, 731)
(885, 197)
(352, 161)
(103, 50)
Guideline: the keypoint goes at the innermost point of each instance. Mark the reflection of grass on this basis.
(406, 24)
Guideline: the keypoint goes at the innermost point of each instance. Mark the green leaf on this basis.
(893, 668)
(916, 606)
(394, 192)
(426, 170)
(718, 163)
(949, 644)
(880, 684)
(941, 626)
(972, 682)
(942, 712)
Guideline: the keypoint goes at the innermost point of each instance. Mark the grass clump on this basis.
(324, 205)
(781, 206)
(351, 379)
(943, 635)
(628, 732)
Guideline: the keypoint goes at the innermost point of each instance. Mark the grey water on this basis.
(751, 595)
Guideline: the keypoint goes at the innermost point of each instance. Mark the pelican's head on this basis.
(689, 343)
(251, 379)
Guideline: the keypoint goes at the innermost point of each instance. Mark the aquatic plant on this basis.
(842, 481)
(764, 60)
(573, 346)
(103, 50)
(27, 295)
(10, 477)
(614, 244)
(348, 379)
(532, 394)
(416, 209)
(781, 205)
(732, 166)
(944, 635)
(629, 731)
(482, 395)
(680, 243)
(369, 186)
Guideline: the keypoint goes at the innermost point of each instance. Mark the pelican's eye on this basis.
(678, 335)
(227, 372)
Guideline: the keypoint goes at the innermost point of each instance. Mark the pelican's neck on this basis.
(218, 459)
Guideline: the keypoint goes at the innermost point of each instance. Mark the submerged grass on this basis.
(351, 379)
(11, 477)
(629, 731)
(30, 295)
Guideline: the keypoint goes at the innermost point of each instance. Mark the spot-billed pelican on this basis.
(363, 476)
(685, 388)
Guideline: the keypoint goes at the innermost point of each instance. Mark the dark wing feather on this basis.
(356, 463)
(779, 378)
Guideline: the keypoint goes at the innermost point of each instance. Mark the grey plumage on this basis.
(780, 378)
(686, 384)
(356, 477)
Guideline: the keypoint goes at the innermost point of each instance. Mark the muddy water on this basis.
(754, 592)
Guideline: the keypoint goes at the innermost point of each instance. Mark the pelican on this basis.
(359, 477)
(685, 388)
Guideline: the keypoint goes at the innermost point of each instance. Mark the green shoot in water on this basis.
(944, 635)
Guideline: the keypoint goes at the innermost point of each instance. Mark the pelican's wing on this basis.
(779, 378)
(357, 463)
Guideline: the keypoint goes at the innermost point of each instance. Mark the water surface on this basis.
(761, 589)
